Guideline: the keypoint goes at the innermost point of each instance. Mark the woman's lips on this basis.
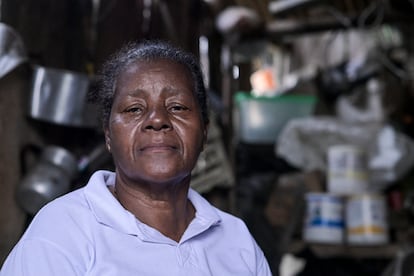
(158, 148)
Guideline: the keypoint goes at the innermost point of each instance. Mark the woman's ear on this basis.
(205, 136)
(107, 139)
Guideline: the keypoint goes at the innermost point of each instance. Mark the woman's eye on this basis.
(178, 108)
(133, 110)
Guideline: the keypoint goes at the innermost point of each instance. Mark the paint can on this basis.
(347, 170)
(366, 219)
(324, 219)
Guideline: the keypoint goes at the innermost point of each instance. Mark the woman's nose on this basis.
(157, 119)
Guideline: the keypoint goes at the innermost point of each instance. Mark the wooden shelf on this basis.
(351, 251)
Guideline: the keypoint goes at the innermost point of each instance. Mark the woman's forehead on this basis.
(155, 62)
(160, 65)
(144, 72)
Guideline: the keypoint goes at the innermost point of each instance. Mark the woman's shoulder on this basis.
(74, 209)
(232, 221)
(64, 214)
(214, 214)
(59, 231)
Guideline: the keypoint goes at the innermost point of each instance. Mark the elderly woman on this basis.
(142, 219)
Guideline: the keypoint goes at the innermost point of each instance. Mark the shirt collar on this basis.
(105, 206)
(110, 212)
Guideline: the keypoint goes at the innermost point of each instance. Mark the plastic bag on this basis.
(304, 143)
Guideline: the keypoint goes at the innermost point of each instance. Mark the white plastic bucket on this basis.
(366, 217)
(347, 170)
(324, 220)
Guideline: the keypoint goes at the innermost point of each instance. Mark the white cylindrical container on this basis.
(366, 220)
(347, 171)
(324, 220)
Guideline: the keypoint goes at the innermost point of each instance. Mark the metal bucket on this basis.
(60, 97)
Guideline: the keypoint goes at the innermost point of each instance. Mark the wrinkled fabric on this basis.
(88, 232)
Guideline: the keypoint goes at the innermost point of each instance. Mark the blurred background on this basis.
(311, 140)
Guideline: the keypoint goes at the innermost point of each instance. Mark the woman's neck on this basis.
(168, 210)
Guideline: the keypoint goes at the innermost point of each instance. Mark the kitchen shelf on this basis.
(387, 251)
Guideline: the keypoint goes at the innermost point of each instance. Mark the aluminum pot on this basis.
(12, 51)
(49, 178)
(60, 97)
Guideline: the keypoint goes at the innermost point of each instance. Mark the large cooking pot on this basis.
(49, 178)
(12, 51)
(60, 97)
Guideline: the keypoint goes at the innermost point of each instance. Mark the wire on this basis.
(377, 7)
(109, 7)
(340, 16)
(344, 20)
(387, 63)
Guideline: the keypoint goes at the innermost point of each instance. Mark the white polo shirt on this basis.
(88, 232)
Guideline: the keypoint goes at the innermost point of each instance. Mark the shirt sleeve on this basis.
(263, 268)
(36, 257)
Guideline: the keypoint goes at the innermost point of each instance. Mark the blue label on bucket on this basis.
(324, 211)
(326, 223)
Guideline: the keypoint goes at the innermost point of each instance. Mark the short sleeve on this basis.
(263, 268)
(37, 257)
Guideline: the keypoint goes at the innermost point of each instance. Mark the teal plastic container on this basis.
(259, 120)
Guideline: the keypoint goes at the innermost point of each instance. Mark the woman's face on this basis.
(155, 130)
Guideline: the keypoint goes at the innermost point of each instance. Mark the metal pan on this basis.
(60, 97)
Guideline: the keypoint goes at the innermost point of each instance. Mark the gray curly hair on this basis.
(104, 87)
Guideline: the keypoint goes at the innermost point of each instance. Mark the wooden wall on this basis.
(13, 133)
